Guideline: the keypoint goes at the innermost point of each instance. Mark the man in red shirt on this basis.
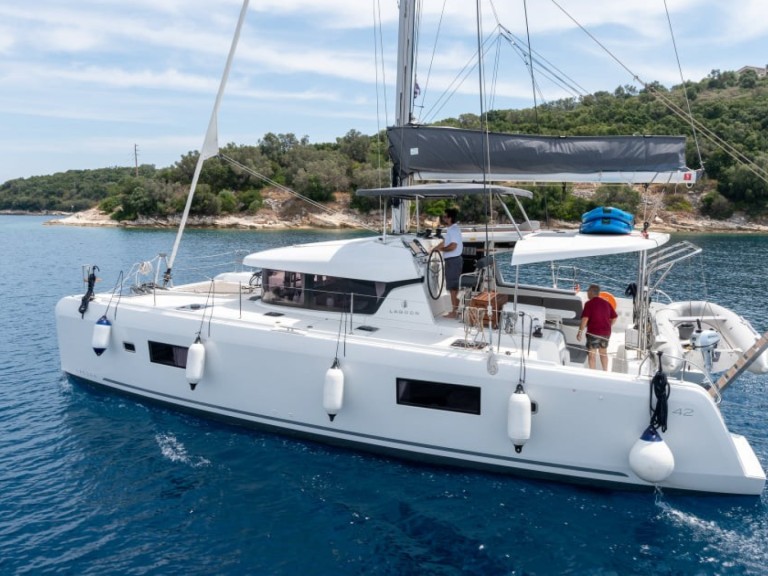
(597, 318)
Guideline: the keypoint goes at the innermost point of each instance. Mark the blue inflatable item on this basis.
(605, 226)
(608, 212)
(607, 220)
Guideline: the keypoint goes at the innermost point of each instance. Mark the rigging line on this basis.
(537, 59)
(220, 254)
(211, 288)
(530, 65)
(656, 201)
(748, 163)
(454, 86)
(548, 70)
(271, 182)
(730, 149)
(682, 82)
(481, 86)
(543, 71)
(496, 60)
(434, 51)
(338, 336)
(712, 136)
(486, 150)
(378, 49)
(415, 52)
(495, 76)
(596, 41)
(376, 41)
(546, 73)
(379, 142)
(119, 284)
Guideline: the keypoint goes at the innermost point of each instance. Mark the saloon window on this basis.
(344, 294)
(281, 287)
(322, 292)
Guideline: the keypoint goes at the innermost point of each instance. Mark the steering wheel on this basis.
(435, 274)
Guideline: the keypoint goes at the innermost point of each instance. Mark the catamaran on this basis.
(346, 341)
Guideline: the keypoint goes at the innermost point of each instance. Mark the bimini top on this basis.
(368, 258)
(547, 245)
(445, 190)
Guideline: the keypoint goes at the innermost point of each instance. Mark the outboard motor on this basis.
(706, 341)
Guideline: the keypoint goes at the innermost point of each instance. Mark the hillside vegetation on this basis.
(733, 107)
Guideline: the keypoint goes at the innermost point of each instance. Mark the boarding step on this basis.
(742, 363)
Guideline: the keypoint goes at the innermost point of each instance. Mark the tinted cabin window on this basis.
(320, 292)
(282, 287)
(168, 354)
(438, 396)
(344, 294)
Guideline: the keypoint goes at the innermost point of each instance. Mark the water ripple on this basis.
(94, 483)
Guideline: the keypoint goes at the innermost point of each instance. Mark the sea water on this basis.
(97, 483)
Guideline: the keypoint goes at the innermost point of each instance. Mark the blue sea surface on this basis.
(96, 483)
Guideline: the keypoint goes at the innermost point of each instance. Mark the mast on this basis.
(404, 89)
(210, 145)
(405, 57)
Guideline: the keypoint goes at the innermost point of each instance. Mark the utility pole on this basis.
(136, 158)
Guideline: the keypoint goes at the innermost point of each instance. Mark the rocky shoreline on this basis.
(272, 221)
(282, 211)
(95, 217)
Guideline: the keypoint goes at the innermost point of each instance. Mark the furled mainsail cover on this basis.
(440, 153)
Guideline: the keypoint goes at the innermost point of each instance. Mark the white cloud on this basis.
(76, 39)
(7, 39)
(147, 71)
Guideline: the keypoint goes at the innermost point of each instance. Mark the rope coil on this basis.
(661, 389)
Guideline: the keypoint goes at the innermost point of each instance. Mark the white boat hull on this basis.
(270, 371)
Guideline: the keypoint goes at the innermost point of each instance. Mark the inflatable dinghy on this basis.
(607, 220)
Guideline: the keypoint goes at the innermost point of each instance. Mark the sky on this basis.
(99, 83)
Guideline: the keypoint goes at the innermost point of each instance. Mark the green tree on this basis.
(228, 201)
(748, 79)
(205, 202)
(318, 173)
(364, 176)
(139, 197)
(742, 186)
(250, 200)
(716, 206)
(354, 146)
(619, 196)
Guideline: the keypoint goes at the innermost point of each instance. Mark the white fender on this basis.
(101, 333)
(671, 358)
(650, 457)
(195, 363)
(333, 390)
(519, 418)
(493, 364)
